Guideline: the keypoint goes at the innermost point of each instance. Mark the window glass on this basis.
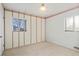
(18, 24)
(76, 18)
(69, 23)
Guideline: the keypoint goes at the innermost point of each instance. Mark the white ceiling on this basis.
(34, 8)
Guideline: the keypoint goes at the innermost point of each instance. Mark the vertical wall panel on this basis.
(21, 34)
(33, 29)
(15, 34)
(38, 29)
(43, 29)
(27, 33)
(8, 30)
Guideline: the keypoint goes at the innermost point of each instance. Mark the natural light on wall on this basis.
(72, 23)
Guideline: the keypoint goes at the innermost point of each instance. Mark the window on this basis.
(69, 23)
(72, 23)
(76, 23)
(18, 25)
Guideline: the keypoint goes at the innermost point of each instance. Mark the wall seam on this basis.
(36, 29)
(12, 32)
(30, 30)
(4, 29)
(18, 35)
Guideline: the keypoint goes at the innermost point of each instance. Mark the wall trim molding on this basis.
(25, 13)
(70, 9)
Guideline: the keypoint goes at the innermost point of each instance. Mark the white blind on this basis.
(72, 23)
(76, 21)
(69, 23)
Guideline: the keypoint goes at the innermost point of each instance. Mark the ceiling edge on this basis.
(44, 17)
(62, 12)
(25, 13)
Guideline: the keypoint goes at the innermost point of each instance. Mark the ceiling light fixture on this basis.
(42, 8)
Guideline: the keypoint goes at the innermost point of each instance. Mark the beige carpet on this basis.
(41, 49)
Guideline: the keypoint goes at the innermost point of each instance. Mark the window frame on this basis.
(19, 28)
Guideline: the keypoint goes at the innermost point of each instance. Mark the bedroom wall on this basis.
(35, 30)
(55, 32)
(1, 29)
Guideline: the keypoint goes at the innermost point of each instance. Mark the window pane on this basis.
(15, 25)
(69, 23)
(76, 23)
(22, 25)
(18, 25)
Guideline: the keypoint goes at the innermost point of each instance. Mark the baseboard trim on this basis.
(76, 50)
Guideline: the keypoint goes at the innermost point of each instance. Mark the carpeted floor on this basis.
(41, 49)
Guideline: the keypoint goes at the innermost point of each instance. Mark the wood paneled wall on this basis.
(35, 30)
